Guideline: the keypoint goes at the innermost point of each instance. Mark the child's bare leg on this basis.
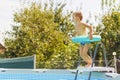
(85, 56)
(81, 51)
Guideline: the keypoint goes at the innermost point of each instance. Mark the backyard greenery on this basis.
(110, 27)
(44, 31)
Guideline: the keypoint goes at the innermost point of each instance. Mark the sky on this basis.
(8, 7)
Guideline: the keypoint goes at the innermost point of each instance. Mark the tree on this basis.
(43, 31)
(111, 32)
(110, 26)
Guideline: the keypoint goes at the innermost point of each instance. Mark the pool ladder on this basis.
(95, 51)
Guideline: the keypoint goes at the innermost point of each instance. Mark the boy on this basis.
(80, 30)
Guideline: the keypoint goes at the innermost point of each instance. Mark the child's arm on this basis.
(91, 32)
(90, 28)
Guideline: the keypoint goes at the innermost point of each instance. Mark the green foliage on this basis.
(43, 31)
(111, 32)
(109, 28)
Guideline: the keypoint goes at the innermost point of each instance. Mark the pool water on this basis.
(52, 75)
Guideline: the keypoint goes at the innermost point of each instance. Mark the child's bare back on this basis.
(80, 29)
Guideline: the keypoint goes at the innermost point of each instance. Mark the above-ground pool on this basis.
(49, 74)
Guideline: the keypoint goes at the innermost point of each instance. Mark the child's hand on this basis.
(91, 36)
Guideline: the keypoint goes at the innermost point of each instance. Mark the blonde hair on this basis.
(78, 14)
